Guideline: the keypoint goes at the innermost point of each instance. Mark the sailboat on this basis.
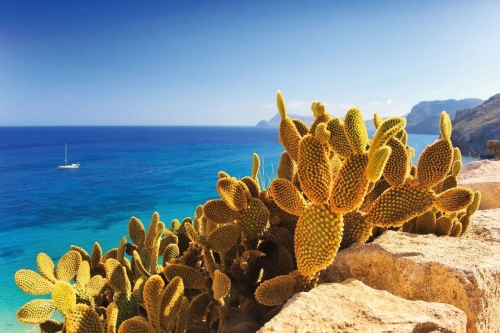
(67, 165)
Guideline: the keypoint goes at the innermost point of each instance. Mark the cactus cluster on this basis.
(242, 255)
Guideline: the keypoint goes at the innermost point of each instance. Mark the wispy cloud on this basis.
(389, 101)
(291, 105)
(374, 102)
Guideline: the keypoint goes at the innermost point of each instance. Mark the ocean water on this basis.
(124, 172)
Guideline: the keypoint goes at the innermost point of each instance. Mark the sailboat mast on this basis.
(65, 153)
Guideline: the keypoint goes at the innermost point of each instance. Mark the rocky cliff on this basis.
(424, 117)
(474, 126)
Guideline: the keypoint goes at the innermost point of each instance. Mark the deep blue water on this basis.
(124, 172)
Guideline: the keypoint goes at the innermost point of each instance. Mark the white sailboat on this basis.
(67, 165)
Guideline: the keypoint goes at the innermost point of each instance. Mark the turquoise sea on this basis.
(124, 172)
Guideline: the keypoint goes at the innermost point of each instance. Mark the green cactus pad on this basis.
(474, 205)
(317, 238)
(351, 184)
(136, 231)
(255, 167)
(338, 138)
(116, 276)
(223, 238)
(397, 168)
(221, 285)
(135, 324)
(456, 230)
(232, 192)
(217, 211)
(314, 169)
(191, 278)
(445, 126)
(444, 224)
(434, 163)
(170, 252)
(252, 185)
(64, 297)
(32, 283)
(82, 319)
(426, 223)
(399, 204)
(301, 127)
(67, 266)
(254, 219)
(287, 196)
(198, 306)
(153, 289)
(387, 130)
(356, 229)
(36, 311)
(286, 167)
(377, 163)
(275, 291)
(454, 199)
(355, 130)
(46, 267)
(171, 302)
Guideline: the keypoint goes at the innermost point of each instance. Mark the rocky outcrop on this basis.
(474, 126)
(464, 272)
(483, 176)
(351, 306)
(424, 117)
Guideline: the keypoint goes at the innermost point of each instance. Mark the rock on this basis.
(485, 226)
(459, 271)
(351, 306)
(483, 176)
(474, 126)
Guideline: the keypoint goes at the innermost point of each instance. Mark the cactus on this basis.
(242, 255)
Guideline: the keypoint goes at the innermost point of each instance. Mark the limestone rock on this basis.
(459, 271)
(485, 226)
(351, 306)
(483, 176)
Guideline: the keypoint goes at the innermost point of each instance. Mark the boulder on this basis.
(464, 272)
(483, 176)
(351, 306)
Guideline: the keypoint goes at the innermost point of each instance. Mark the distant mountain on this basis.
(472, 127)
(275, 121)
(424, 117)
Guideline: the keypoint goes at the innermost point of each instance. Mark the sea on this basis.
(124, 172)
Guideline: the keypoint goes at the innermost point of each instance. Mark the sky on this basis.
(220, 62)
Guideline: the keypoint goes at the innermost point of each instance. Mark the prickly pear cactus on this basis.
(243, 254)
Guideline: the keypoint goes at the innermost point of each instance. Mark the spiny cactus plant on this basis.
(242, 255)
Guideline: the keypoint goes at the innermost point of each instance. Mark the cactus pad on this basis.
(191, 278)
(275, 291)
(287, 196)
(317, 238)
(36, 311)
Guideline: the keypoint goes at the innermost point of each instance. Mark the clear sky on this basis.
(219, 62)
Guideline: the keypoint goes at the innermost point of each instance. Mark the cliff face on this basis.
(474, 126)
(424, 117)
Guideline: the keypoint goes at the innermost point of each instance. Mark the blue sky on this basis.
(221, 62)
